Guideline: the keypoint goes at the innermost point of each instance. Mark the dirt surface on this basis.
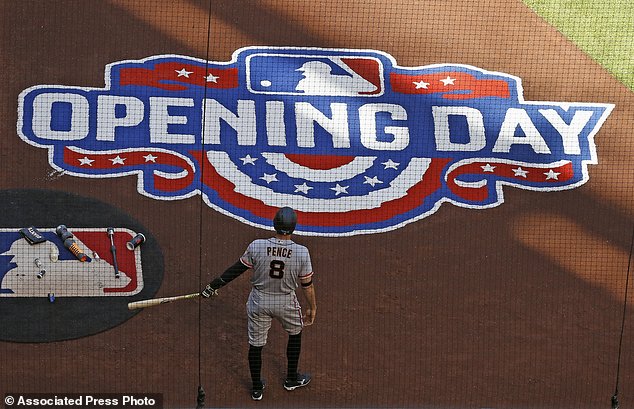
(518, 306)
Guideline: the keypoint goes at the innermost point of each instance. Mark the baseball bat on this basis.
(113, 250)
(158, 301)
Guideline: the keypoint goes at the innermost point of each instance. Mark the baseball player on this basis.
(279, 266)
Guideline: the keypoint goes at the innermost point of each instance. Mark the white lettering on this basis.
(66, 117)
(307, 115)
(275, 127)
(243, 122)
(367, 118)
(42, 120)
(569, 133)
(107, 121)
(129, 400)
(160, 119)
(518, 117)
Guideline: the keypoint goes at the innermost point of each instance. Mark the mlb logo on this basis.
(49, 267)
(325, 75)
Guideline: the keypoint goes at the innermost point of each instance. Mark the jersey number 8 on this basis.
(277, 269)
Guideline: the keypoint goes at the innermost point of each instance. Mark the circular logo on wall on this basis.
(66, 272)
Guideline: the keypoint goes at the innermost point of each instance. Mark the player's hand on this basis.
(208, 291)
(212, 288)
(309, 317)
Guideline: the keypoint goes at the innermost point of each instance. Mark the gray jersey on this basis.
(277, 265)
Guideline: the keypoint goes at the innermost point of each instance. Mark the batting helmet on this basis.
(285, 220)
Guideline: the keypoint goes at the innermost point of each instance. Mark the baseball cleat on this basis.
(256, 393)
(302, 380)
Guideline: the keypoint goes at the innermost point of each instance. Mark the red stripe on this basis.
(134, 159)
(246, 263)
(368, 69)
(415, 197)
(163, 76)
(503, 171)
(319, 161)
(404, 84)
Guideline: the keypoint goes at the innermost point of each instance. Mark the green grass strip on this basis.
(604, 29)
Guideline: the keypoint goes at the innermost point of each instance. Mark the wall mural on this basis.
(354, 142)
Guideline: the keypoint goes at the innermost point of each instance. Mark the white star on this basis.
(248, 160)
(85, 161)
(488, 168)
(118, 160)
(551, 174)
(390, 164)
(448, 81)
(340, 189)
(520, 172)
(421, 84)
(304, 188)
(212, 78)
(269, 178)
(184, 73)
(372, 181)
(150, 158)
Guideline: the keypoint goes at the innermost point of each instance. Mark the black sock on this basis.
(255, 365)
(293, 349)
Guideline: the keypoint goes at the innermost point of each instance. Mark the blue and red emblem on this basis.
(352, 141)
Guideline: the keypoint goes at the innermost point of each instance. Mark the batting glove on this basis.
(208, 291)
(212, 288)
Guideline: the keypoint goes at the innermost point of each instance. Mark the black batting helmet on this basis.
(285, 220)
